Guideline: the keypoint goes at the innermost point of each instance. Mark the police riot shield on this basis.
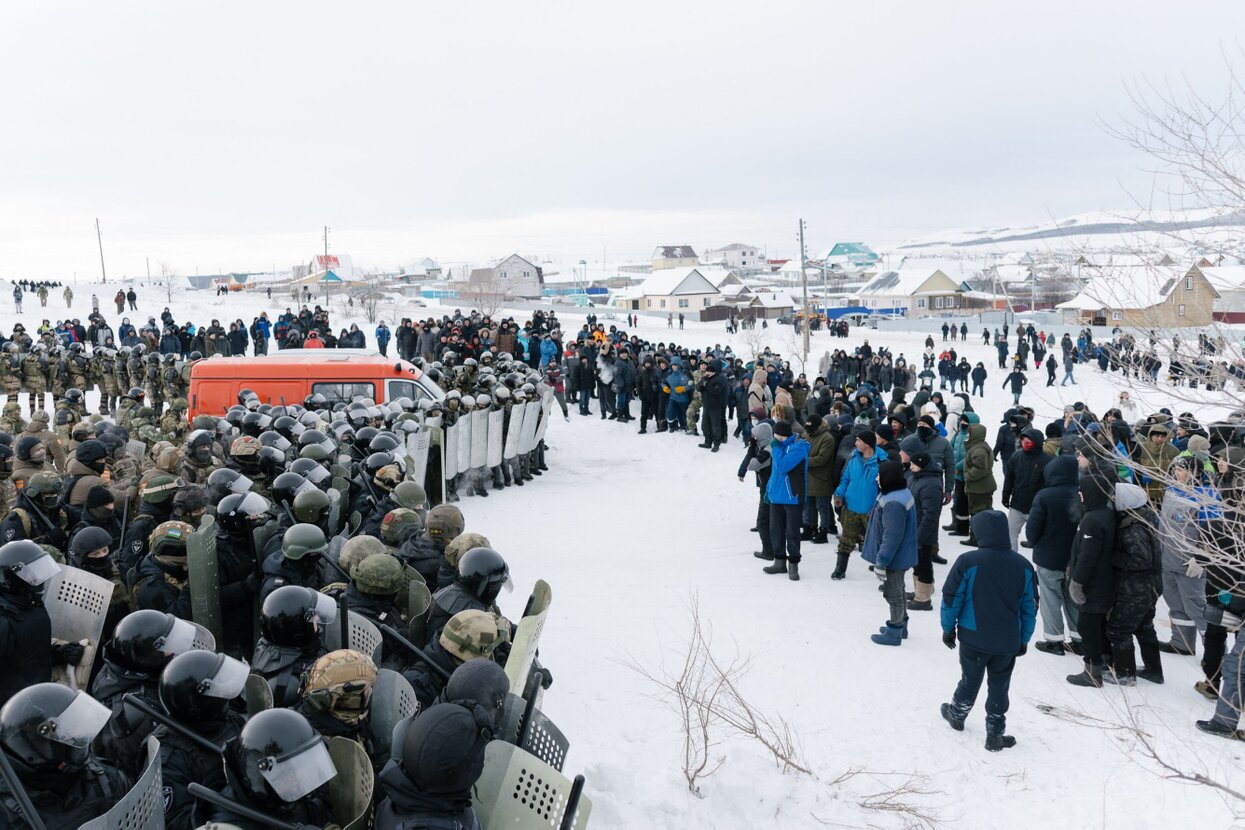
(350, 791)
(479, 438)
(418, 608)
(546, 409)
(450, 466)
(464, 443)
(335, 511)
(510, 447)
(258, 695)
(202, 569)
(365, 637)
(136, 449)
(142, 808)
(263, 536)
(527, 636)
(77, 603)
(409, 576)
(531, 420)
(518, 790)
(204, 640)
(417, 446)
(496, 424)
(393, 699)
(543, 738)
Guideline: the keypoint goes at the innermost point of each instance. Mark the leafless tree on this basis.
(485, 291)
(168, 273)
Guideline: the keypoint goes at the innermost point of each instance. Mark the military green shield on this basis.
(335, 511)
(418, 606)
(527, 636)
(204, 579)
(350, 791)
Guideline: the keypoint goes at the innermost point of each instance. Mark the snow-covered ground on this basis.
(628, 528)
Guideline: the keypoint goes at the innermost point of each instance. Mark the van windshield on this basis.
(344, 392)
(405, 389)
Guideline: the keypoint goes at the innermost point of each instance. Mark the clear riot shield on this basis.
(142, 808)
(496, 426)
(510, 447)
(258, 695)
(479, 438)
(77, 603)
(449, 468)
(531, 419)
(204, 578)
(417, 446)
(527, 636)
(393, 699)
(518, 790)
(546, 409)
(350, 791)
(464, 443)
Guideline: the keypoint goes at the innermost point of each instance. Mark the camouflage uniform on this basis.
(154, 384)
(65, 416)
(170, 379)
(693, 409)
(121, 373)
(38, 427)
(11, 373)
(136, 371)
(43, 296)
(184, 374)
(174, 423)
(78, 367)
(103, 365)
(12, 422)
(126, 407)
(36, 381)
(56, 374)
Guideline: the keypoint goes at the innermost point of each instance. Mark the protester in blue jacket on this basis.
(678, 387)
(890, 546)
(990, 597)
(382, 338)
(856, 493)
(785, 492)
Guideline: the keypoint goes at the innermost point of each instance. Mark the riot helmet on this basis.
(197, 686)
(483, 572)
(294, 616)
(25, 568)
(144, 641)
(50, 727)
(241, 512)
(279, 757)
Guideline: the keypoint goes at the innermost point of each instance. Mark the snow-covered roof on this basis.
(717, 276)
(674, 252)
(1225, 277)
(773, 301)
(1008, 273)
(734, 290)
(902, 283)
(1126, 288)
(667, 281)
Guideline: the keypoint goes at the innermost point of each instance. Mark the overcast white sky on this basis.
(223, 135)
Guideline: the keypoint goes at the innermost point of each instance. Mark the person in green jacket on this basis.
(820, 482)
(979, 483)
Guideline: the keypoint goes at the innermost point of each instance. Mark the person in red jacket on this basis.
(313, 341)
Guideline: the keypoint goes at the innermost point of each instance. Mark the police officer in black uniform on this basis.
(46, 731)
(290, 623)
(26, 650)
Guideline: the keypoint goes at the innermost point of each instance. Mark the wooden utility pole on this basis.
(100, 239)
(804, 284)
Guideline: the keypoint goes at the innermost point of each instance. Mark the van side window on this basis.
(344, 392)
(404, 389)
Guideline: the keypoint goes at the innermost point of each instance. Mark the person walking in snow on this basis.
(17, 299)
(989, 604)
(1017, 380)
(925, 481)
(891, 547)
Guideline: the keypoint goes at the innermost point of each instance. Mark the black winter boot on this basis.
(997, 743)
(779, 567)
(760, 554)
(793, 571)
(840, 568)
(806, 533)
(1091, 676)
(821, 536)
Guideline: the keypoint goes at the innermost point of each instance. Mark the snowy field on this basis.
(627, 528)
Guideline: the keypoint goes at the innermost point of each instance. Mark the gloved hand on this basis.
(1193, 568)
(1007, 502)
(1024, 649)
(252, 583)
(1076, 593)
(948, 639)
(70, 653)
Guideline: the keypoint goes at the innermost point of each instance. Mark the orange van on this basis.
(292, 375)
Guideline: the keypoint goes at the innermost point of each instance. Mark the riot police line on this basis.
(290, 618)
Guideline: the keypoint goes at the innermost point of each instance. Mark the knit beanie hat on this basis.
(920, 459)
(98, 496)
(782, 429)
(868, 437)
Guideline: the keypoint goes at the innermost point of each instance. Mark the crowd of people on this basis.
(314, 509)
(1093, 519)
